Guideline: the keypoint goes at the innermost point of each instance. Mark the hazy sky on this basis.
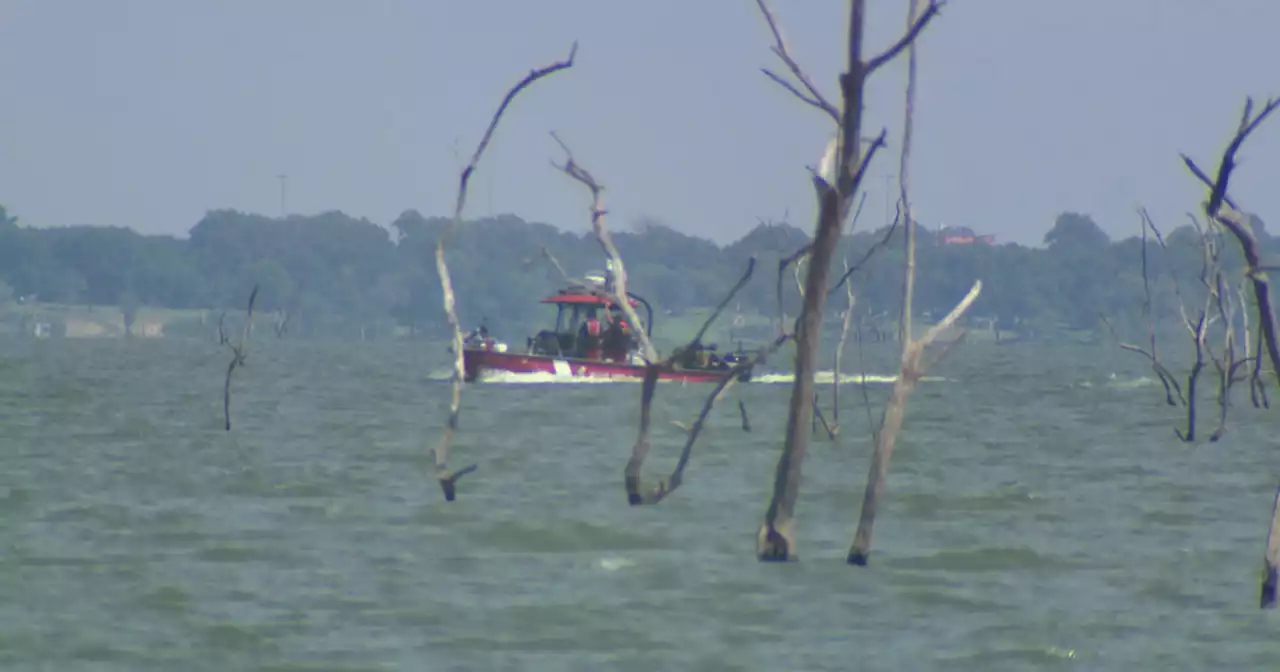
(147, 113)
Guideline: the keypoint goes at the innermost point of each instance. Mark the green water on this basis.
(1041, 515)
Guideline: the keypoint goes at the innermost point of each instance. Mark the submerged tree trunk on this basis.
(1222, 210)
(835, 182)
(911, 366)
(444, 475)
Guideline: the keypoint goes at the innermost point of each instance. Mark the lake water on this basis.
(1040, 515)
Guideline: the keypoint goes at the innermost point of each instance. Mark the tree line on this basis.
(331, 272)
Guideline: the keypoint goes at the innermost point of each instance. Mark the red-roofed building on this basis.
(963, 235)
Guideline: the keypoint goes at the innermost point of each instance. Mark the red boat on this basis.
(591, 339)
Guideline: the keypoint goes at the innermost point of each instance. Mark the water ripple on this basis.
(1039, 515)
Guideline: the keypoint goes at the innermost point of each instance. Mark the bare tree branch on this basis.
(819, 418)
(836, 367)
(640, 450)
(1216, 308)
(783, 264)
(239, 355)
(746, 275)
(636, 495)
(891, 422)
(556, 262)
(446, 477)
(1170, 383)
(1232, 218)
(282, 322)
(908, 39)
(835, 188)
(879, 245)
(1167, 379)
(621, 298)
(834, 430)
(1218, 187)
(912, 367)
(814, 96)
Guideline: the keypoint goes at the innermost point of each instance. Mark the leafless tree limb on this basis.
(911, 371)
(834, 430)
(631, 475)
(908, 39)
(1218, 187)
(444, 475)
(1218, 307)
(282, 322)
(1167, 378)
(1170, 383)
(836, 368)
(1232, 218)
(819, 418)
(871, 252)
(835, 183)
(556, 262)
(582, 176)
(636, 495)
(814, 97)
(746, 275)
(783, 264)
(912, 365)
(239, 355)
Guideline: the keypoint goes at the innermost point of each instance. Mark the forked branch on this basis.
(909, 38)
(444, 475)
(1172, 390)
(636, 494)
(811, 95)
(835, 182)
(1221, 209)
(239, 355)
(601, 230)
(912, 366)
(910, 372)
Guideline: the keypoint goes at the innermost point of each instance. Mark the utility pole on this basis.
(284, 194)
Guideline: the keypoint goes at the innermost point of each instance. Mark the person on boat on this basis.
(480, 337)
(591, 335)
(618, 340)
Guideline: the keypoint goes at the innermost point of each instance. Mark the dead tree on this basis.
(1172, 390)
(222, 334)
(281, 325)
(1220, 209)
(847, 282)
(845, 323)
(444, 475)
(835, 184)
(912, 365)
(636, 493)
(1218, 308)
(239, 355)
(801, 257)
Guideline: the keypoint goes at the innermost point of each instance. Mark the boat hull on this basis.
(476, 362)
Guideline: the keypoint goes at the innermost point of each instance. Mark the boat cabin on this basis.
(570, 336)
